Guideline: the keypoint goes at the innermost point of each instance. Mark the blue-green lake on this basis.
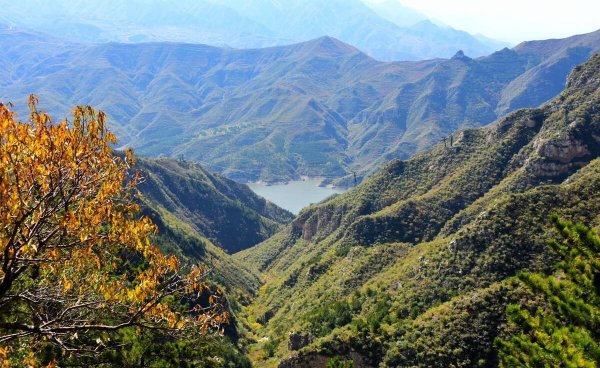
(294, 195)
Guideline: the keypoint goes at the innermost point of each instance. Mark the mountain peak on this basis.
(331, 45)
(425, 25)
(586, 75)
(460, 55)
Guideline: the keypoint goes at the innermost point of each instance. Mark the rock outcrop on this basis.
(298, 340)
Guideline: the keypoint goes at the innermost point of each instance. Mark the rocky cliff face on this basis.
(570, 139)
(559, 157)
(298, 340)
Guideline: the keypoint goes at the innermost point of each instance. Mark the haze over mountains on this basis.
(318, 108)
(401, 34)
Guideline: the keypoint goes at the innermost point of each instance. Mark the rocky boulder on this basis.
(298, 340)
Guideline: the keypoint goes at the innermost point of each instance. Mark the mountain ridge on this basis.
(319, 108)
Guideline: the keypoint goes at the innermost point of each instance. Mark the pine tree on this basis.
(566, 332)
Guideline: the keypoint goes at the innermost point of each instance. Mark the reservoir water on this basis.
(294, 195)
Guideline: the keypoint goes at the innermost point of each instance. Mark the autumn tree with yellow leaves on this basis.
(76, 258)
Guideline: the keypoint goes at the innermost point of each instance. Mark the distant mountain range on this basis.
(385, 31)
(414, 267)
(319, 108)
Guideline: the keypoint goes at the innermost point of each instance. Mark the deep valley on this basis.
(297, 184)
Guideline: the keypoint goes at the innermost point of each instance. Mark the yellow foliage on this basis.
(4, 362)
(69, 228)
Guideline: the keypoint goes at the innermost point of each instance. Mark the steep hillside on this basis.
(320, 108)
(177, 236)
(413, 267)
(243, 24)
(201, 217)
(226, 212)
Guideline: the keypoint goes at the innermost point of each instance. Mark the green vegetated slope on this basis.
(202, 217)
(319, 108)
(226, 212)
(237, 282)
(413, 267)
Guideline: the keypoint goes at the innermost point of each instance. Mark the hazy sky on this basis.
(514, 20)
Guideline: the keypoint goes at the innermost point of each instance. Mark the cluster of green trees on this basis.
(565, 331)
